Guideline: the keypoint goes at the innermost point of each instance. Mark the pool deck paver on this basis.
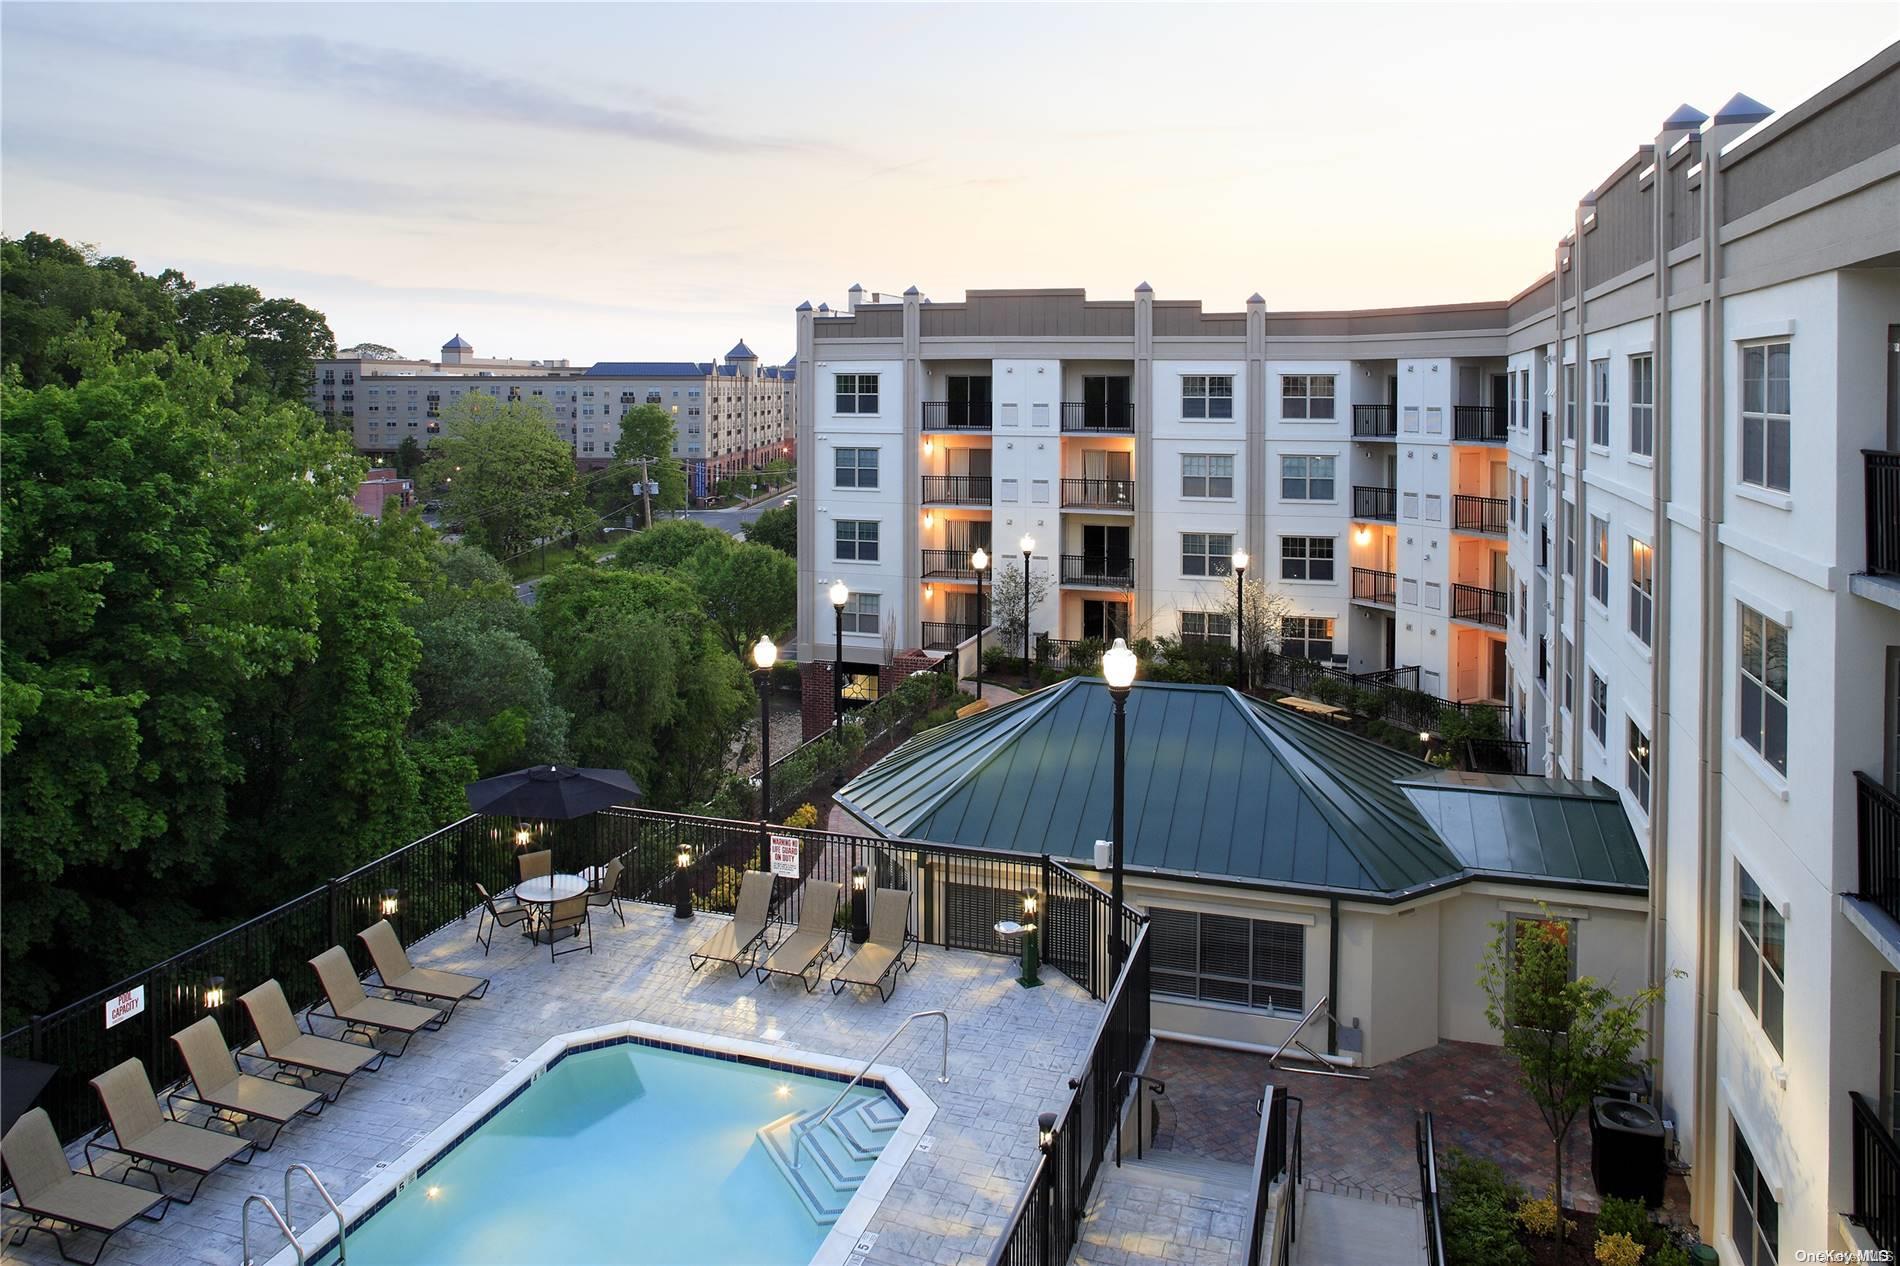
(1012, 1051)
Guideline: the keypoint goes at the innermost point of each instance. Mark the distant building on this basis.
(381, 486)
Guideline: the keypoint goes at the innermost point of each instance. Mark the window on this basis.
(1523, 609)
(1306, 478)
(857, 540)
(857, 393)
(1570, 539)
(1207, 553)
(860, 613)
(1765, 405)
(857, 468)
(1206, 626)
(1600, 403)
(1570, 403)
(1207, 395)
(1207, 475)
(1306, 396)
(1567, 667)
(1599, 708)
(1306, 558)
(1764, 688)
(1221, 958)
(1755, 1221)
(1524, 503)
(1636, 764)
(1642, 590)
(1760, 947)
(1306, 637)
(1543, 659)
(1643, 406)
(1600, 560)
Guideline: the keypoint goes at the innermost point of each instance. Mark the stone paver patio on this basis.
(1012, 1051)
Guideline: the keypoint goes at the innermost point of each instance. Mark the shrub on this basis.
(1469, 1177)
(1628, 1217)
(1539, 1217)
(805, 815)
(1669, 1253)
(1327, 690)
(1618, 1250)
(939, 716)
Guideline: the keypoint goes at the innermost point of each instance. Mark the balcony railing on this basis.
(1876, 1176)
(1371, 502)
(957, 490)
(1095, 569)
(1107, 494)
(956, 415)
(1488, 515)
(1479, 424)
(949, 564)
(1115, 419)
(1378, 587)
(1375, 421)
(1489, 607)
(1878, 811)
(1883, 513)
(946, 637)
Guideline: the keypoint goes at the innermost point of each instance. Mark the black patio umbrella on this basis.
(21, 1081)
(552, 792)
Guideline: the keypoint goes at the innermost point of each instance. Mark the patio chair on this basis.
(139, 1130)
(222, 1086)
(503, 916)
(288, 1046)
(400, 976)
(47, 1187)
(358, 1011)
(569, 914)
(536, 865)
(738, 941)
(608, 894)
(811, 945)
(878, 959)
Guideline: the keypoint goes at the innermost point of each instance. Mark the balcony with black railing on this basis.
(1883, 513)
(1476, 605)
(1485, 516)
(1098, 570)
(1380, 588)
(1479, 424)
(1876, 1176)
(940, 636)
(1375, 421)
(948, 564)
(1877, 813)
(1375, 504)
(957, 415)
(1098, 494)
(957, 490)
(1107, 419)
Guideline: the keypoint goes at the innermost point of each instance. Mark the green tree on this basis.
(504, 475)
(409, 457)
(778, 528)
(746, 590)
(48, 287)
(668, 546)
(492, 686)
(646, 430)
(1008, 612)
(777, 472)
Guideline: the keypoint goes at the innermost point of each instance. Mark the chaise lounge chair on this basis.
(139, 1130)
(358, 1011)
(807, 949)
(221, 1085)
(290, 1047)
(45, 1186)
(401, 976)
(878, 959)
(738, 942)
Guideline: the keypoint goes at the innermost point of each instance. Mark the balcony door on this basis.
(1500, 674)
(1105, 400)
(962, 536)
(1104, 546)
(969, 399)
(969, 461)
(1105, 464)
(963, 608)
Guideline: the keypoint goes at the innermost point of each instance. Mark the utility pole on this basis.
(646, 500)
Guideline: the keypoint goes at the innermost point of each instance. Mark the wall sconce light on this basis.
(1364, 536)
(929, 590)
(929, 519)
(214, 993)
(1046, 1131)
(389, 903)
(929, 447)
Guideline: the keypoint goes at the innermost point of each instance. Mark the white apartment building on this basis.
(729, 415)
(1651, 503)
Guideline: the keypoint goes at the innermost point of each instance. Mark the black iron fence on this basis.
(1876, 1176)
(940, 636)
(956, 415)
(1112, 418)
(1883, 512)
(1092, 569)
(1380, 587)
(1489, 607)
(1375, 421)
(1111, 494)
(952, 564)
(1392, 695)
(1276, 1156)
(1375, 503)
(1878, 834)
(1429, 1196)
(959, 490)
(1479, 424)
(1488, 515)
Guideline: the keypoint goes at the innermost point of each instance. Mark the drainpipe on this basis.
(1332, 978)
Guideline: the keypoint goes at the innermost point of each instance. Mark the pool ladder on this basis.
(943, 1077)
(286, 1222)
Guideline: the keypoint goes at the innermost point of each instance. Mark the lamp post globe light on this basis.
(765, 654)
(840, 594)
(1118, 667)
(1029, 547)
(979, 563)
(1240, 619)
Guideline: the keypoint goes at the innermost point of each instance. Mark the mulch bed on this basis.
(1577, 1249)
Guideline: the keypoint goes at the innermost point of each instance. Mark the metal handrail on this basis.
(943, 1078)
(1142, 1084)
(342, 1231)
(1325, 1068)
(276, 1217)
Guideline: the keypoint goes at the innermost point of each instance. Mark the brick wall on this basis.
(815, 695)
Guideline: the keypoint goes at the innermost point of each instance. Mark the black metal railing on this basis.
(1276, 1157)
(957, 490)
(1372, 502)
(1878, 811)
(1392, 696)
(1883, 512)
(1497, 755)
(957, 415)
(1111, 494)
(946, 637)
(1876, 1176)
(1488, 515)
(1489, 607)
(1094, 569)
(1116, 419)
(1375, 421)
(949, 564)
(1381, 587)
(1479, 424)
(1430, 1202)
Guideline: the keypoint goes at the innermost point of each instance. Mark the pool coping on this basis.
(840, 1241)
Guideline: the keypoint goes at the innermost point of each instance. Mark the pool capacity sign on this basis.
(785, 856)
(125, 1005)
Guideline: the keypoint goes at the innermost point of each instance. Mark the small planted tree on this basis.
(1570, 1037)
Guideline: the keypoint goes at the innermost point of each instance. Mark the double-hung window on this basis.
(1307, 396)
(1570, 539)
(857, 540)
(1207, 554)
(1567, 662)
(1223, 958)
(1763, 705)
(1636, 764)
(1207, 626)
(1600, 403)
(1306, 478)
(1599, 709)
(1207, 475)
(1643, 406)
(856, 467)
(1600, 559)
(1306, 637)
(1306, 558)
(860, 613)
(1642, 590)
(1765, 416)
(1761, 940)
(1755, 1220)
(1207, 395)
(1570, 403)
(857, 393)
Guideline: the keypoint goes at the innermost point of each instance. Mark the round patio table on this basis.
(543, 891)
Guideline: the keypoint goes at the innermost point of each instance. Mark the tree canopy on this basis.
(646, 431)
(502, 473)
(778, 528)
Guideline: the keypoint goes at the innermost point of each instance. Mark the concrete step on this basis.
(1179, 1171)
(824, 1166)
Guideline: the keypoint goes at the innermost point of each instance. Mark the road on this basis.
(732, 522)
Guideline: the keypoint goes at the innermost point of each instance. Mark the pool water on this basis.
(624, 1154)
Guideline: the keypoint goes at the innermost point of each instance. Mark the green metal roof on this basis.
(1219, 785)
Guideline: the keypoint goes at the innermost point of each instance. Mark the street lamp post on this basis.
(1029, 547)
(1240, 619)
(979, 563)
(764, 654)
(840, 594)
(1118, 667)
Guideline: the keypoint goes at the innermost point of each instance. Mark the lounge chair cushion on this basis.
(46, 1184)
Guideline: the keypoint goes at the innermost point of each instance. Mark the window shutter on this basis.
(1172, 957)
(1224, 962)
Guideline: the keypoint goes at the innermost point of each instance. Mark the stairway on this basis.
(834, 1157)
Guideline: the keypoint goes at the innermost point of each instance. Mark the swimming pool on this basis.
(650, 1147)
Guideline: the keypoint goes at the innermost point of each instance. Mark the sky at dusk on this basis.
(656, 181)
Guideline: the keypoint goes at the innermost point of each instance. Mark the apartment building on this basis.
(1651, 503)
(730, 415)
